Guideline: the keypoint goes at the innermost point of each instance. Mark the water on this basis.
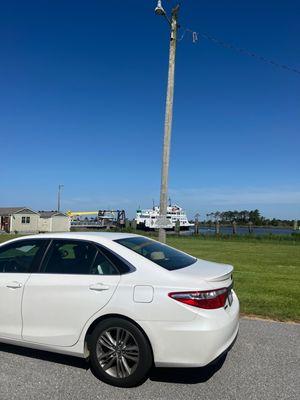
(243, 230)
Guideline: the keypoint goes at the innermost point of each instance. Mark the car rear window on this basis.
(162, 255)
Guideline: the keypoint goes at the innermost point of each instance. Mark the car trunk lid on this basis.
(220, 274)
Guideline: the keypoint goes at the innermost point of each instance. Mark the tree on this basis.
(255, 217)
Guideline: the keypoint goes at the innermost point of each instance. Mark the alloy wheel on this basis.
(117, 352)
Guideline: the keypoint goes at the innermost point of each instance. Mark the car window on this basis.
(102, 266)
(19, 257)
(70, 257)
(160, 254)
(121, 265)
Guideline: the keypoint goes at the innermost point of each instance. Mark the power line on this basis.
(239, 50)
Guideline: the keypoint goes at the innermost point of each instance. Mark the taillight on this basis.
(209, 299)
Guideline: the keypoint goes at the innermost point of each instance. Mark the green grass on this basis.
(4, 238)
(266, 274)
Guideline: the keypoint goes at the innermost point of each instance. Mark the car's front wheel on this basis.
(120, 353)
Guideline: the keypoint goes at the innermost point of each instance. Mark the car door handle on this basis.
(14, 285)
(99, 287)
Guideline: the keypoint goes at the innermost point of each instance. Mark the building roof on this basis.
(7, 211)
(50, 214)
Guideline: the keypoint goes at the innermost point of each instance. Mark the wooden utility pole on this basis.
(58, 196)
(295, 227)
(196, 226)
(168, 128)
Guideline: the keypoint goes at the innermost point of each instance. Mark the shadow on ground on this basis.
(168, 375)
(45, 355)
(187, 375)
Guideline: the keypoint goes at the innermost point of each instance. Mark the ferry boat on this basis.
(149, 219)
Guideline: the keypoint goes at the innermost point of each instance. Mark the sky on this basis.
(82, 102)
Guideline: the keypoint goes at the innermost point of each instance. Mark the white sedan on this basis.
(124, 301)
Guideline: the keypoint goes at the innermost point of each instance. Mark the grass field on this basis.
(4, 238)
(267, 273)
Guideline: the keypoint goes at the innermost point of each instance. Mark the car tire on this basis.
(120, 354)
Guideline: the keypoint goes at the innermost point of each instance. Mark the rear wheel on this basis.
(120, 353)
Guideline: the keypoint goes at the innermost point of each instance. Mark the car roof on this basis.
(93, 236)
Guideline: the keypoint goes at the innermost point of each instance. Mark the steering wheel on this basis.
(14, 265)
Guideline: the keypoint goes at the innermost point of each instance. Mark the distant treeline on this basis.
(244, 218)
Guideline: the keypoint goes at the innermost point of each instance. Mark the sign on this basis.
(163, 222)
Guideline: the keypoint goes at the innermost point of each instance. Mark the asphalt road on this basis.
(263, 364)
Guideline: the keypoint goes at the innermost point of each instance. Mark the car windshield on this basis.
(167, 257)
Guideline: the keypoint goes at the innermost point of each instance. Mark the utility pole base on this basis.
(162, 235)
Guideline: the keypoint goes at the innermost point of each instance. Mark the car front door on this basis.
(17, 260)
(76, 281)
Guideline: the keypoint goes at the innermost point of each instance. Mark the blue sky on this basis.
(82, 103)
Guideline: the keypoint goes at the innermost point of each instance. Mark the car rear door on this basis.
(76, 280)
(17, 260)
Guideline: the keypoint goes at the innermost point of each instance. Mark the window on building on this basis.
(23, 220)
(27, 220)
